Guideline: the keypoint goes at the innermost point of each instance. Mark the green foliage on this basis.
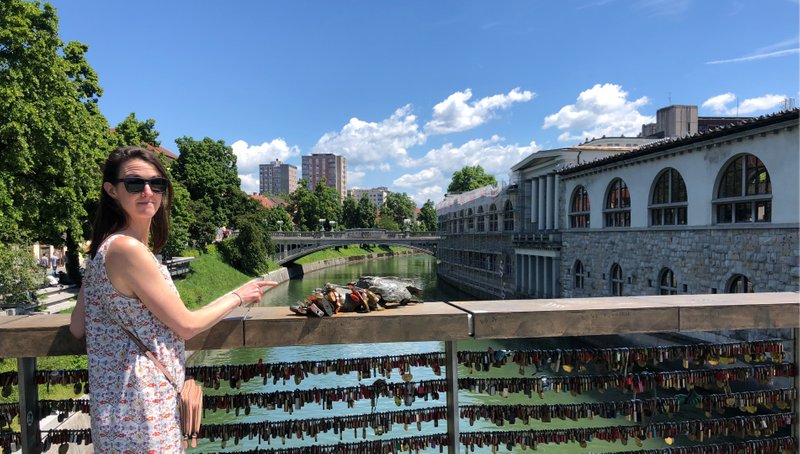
(53, 138)
(387, 223)
(427, 217)
(20, 276)
(203, 229)
(358, 215)
(309, 207)
(207, 169)
(398, 207)
(275, 214)
(367, 213)
(209, 279)
(131, 131)
(350, 213)
(180, 222)
(469, 178)
(247, 251)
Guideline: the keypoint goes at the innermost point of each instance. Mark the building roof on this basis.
(269, 201)
(667, 144)
(167, 154)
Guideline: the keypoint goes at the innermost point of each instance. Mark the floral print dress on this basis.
(134, 409)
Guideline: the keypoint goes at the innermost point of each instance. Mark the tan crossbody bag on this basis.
(190, 398)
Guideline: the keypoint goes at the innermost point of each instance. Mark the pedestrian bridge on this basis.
(293, 245)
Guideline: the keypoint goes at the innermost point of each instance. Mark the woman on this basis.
(134, 407)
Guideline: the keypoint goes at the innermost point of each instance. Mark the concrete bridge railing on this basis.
(28, 337)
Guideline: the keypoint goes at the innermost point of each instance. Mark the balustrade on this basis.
(633, 374)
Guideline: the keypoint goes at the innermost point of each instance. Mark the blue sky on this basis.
(410, 91)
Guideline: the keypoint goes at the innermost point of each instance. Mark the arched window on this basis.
(508, 216)
(579, 273)
(618, 204)
(481, 226)
(616, 280)
(745, 192)
(579, 209)
(668, 203)
(470, 220)
(667, 284)
(740, 284)
(492, 218)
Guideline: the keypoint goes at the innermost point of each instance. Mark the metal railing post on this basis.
(795, 356)
(29, 406)
(451, 377)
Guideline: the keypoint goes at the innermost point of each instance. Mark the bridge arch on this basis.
(293, 245)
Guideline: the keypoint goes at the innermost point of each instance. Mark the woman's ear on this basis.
(110, 189)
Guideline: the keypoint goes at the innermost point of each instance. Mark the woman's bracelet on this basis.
(241, 300)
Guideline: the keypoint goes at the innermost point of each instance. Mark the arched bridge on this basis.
(293, 245)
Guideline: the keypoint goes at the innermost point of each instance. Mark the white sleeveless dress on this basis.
(134, 409)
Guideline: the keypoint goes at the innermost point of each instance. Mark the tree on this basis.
(350, 217)
(427, 217)
(131, 131)
(277, 218)
(398, 207)
(366, 213)
(53, 138)
(207, 169)
(304, 206)
(329, 205)
(309, 207)
(469, 178)
(248, 251)
(20, 276)
(203, 229)
(180, 222)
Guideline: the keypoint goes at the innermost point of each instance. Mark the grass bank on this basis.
(209, 279)
(347, 251)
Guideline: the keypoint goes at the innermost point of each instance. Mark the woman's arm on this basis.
(133, 273)
(77, 321)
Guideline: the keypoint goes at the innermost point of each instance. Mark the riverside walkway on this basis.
(28, 337)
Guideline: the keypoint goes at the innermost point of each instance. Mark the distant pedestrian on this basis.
(54, 263)
(45, 262)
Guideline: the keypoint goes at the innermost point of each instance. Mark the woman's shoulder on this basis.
(127, 250)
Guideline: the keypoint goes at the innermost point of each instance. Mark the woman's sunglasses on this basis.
(135, 185)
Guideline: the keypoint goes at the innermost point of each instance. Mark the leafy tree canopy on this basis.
(469, 178)
(398, 207)
(53, 138)
(207, 168)
(427, 217)
(367, 213)
(131, 131)
(20, 276)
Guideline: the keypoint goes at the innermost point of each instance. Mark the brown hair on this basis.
(111, 218)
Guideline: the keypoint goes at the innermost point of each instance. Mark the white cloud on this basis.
(778, 53)
(354, 178)
(455, 114)
(491, 154)
(603, 110)
(421, 186)
(439, 164)
(724, 104)
(364, 142)
(248, 158)
(719, 103)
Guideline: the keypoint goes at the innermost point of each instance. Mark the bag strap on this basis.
(150, 355)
